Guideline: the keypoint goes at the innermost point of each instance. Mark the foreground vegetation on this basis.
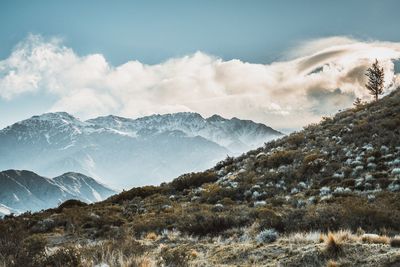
(285, 203)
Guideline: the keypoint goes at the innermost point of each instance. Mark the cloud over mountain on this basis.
(317, 78)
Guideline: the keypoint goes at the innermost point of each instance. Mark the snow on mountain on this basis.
(25, 190)
(127, 152)
(235, 134)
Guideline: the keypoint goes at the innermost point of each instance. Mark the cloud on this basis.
(317, 78)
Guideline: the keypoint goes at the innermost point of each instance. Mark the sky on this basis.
(282, 63)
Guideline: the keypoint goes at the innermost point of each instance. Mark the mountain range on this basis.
(328, 195)
(127, 152)
(22, 191)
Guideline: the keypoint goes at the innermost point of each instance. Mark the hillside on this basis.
(273, 206)
(126, 152)
(22, 191)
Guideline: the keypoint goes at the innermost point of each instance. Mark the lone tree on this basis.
(375, 76)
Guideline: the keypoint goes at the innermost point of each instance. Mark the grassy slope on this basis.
(339, 174)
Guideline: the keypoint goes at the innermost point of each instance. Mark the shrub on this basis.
(34, 250)
(279, 158)
(191, 180)
(71, 203)
(178, 256)
(267, 236)
(295, 139)
(141, 192)
(204, 223)
(395, 242)
(66, 256)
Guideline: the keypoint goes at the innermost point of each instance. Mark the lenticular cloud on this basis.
(317, 78)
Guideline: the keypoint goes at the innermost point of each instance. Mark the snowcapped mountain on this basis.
(236, 135)
(25, 190)
(127, 152)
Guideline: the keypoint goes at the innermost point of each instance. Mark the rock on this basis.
(312, 200)
(384, 149)
(255, 195)
(394, 187)
(356, 163)
(358, 168)
(323, 191)
(371, 198)
(261, 155)
(396, 171)
(302, 185)
(338, 175)
(166, 207)
(369, 177)
(195, 198)
(94, 216)
(371, 166)
(218, 207)
(339, 190)
(260, 203)
(368, 147)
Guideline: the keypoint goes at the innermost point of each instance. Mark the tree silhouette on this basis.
(375, 76)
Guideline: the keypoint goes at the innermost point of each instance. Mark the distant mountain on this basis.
(236, 135)
(127, 152)
(25, 190)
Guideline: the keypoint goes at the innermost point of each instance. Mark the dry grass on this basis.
(332, 263)
(333, 246)
(375, 239)
(303, 237)
(151, 236)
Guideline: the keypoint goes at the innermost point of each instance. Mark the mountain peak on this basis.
(216, 118)
(24, 190)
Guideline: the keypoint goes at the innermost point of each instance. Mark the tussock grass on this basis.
(375, 239)
(333, 246)
(332, 263)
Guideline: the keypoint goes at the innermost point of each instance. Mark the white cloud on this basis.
(318, 78)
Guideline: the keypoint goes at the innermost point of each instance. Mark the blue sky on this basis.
(152, 32)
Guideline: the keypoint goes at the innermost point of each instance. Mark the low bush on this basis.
(203, 224)
(192, 180)
(177, 256)
(267, 236)
(71, 203)
(395, 242)
(65, 256)
(141, 192)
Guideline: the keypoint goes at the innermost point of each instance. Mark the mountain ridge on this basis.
(130, 149)
(24, 190)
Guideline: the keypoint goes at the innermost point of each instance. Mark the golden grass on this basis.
(151, 236)
(333, 246)
(375, 239)
(332, 263)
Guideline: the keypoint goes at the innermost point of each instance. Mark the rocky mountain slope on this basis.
(126, 152)
(22, 191)
(273, 206)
